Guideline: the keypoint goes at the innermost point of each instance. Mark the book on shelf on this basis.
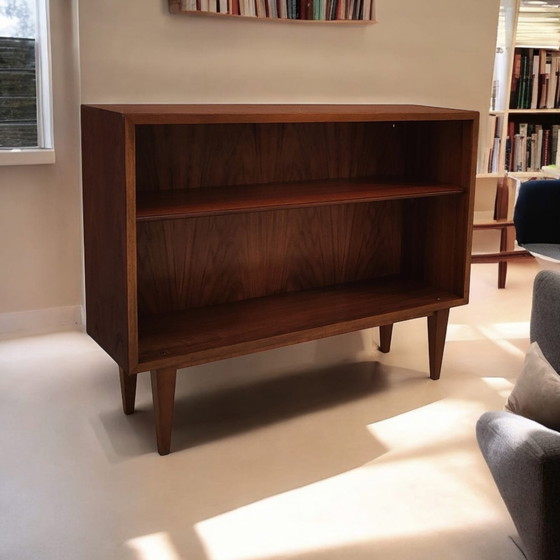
(490, 161)
(515, 77)
(535, 81)
(532, 146)
(494, 162)
(545, 149)
(554, 144)
(318, 10)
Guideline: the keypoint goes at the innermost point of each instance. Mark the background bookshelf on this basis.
(523, 121)
(310, 11)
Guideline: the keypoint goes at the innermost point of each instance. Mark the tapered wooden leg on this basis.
(163, 393)
(437, 329)
(502, 274)
(128, 390)
(502, 265)
(385, 334)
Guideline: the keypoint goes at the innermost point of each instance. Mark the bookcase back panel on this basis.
(436, 242)
(189, 263)
(193, 156)
(436, 155)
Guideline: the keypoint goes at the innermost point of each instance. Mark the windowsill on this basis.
(26, 156)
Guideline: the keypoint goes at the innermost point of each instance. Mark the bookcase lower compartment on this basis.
(197, 336)
(174, 340)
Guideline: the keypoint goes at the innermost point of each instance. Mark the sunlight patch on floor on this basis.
(501, 385)
(430, 466)
(375, 503)
(493, 331)
(424, 426)
(157, 546)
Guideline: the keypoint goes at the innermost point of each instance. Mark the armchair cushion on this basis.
(536, 394)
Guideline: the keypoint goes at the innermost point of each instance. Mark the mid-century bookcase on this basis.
(213, 231)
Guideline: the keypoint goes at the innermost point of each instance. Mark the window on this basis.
(25, 92)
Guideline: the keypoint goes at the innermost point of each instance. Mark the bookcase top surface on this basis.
(251, 113)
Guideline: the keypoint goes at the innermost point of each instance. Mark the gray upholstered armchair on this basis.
(523, 455)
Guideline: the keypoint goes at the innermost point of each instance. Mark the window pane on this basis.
(18, 74)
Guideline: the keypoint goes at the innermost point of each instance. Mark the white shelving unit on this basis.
(528, 30)
(523, 24)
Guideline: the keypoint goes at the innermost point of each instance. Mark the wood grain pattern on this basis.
(109, 234)
(504, 190)
(192, 263)
(437, 328)
(385, 337)
(163, 395)
(128, 390)
(160, 114)
(213, 231)
(186, 203)
(194, 156)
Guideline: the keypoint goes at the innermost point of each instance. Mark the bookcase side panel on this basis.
(184, 264)
(441, 254)
(109, 246)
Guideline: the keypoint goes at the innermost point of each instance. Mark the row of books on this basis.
(326, 10)
(535, 82)
(491, 154)
(529, 147)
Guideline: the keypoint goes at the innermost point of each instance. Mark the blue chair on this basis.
(537, 220)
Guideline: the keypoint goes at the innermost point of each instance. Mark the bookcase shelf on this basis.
(190, 336)
(213, 231)
(251, 198)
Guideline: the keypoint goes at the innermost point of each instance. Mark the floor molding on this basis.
(38, 321)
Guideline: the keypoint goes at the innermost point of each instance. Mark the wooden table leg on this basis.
(163, 394)
(437, 329)
(128, 390)
(385, 334)
(502, 265)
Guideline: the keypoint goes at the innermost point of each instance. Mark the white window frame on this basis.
(45, 152)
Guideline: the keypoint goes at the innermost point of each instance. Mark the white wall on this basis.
(436, 52)
(40, 221)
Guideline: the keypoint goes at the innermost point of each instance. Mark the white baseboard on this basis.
(40, 321)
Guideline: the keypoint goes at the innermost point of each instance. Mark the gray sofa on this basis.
(523, 455)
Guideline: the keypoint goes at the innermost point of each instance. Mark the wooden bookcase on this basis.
(213, 231)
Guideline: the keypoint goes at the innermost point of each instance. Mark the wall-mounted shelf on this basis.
(302, 11)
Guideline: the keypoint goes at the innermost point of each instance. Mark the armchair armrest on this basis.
(524, 459)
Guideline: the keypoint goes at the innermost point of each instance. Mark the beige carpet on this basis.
(324, 451)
